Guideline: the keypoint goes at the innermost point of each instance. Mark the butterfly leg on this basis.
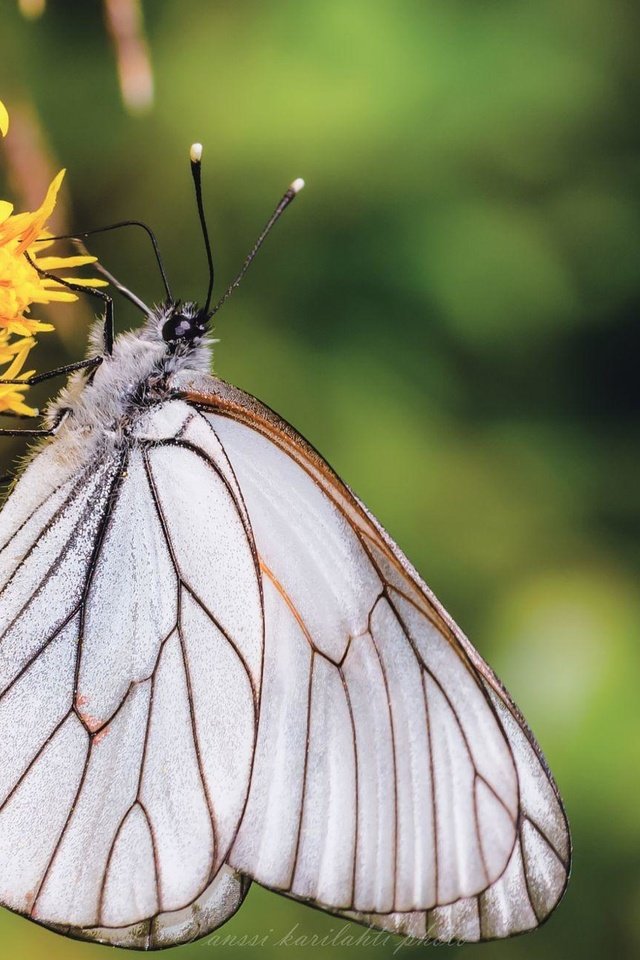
(108, 330)
(39, 431)
(58, 372)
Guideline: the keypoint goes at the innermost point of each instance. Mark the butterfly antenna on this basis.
(116, 226)
(195, 154)
(290, 194)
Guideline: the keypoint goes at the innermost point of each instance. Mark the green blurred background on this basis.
(449, 312)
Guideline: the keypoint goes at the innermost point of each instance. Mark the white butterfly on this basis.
(216, 667)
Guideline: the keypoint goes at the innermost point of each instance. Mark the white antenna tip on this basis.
(297, 185)
(195, 152)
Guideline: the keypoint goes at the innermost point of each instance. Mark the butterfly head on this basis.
(184, 323)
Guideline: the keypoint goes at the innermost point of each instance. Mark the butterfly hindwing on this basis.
(411, 794)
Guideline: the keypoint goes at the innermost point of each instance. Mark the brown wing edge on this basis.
(214, 395)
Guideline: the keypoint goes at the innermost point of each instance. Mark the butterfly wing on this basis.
(130, 660)
(395, 782)
(384, 774)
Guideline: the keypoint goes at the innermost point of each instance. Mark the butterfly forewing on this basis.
(130, 691)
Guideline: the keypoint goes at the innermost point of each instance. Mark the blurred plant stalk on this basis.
(32, 9)
(125, 25)
(124, 21)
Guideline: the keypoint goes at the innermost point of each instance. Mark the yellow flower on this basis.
(21, 251)
(20, 283)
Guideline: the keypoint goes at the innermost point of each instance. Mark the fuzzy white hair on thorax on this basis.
(101, 405)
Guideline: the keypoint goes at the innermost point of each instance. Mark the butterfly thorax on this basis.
(101, 407)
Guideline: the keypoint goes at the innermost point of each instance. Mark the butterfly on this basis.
(216, 668)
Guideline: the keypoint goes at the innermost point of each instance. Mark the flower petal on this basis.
(82, 282)
(4, 119)
(14, 370)
(6, 209)
(14, 402)
(25, 327)
(55, 263)
(40, 217)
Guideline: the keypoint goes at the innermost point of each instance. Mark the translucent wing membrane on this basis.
(216, 667)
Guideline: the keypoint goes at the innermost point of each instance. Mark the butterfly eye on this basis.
(180, 327)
